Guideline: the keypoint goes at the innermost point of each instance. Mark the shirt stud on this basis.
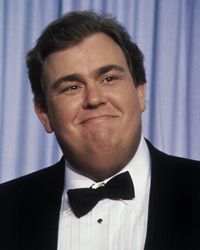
(100, 221)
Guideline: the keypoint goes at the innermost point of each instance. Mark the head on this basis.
(88, 82)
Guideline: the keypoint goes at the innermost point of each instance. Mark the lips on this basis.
(96, 117)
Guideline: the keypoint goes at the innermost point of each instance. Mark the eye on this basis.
(71, 89)
(110, 78)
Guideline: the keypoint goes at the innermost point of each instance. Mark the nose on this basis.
(94, 97)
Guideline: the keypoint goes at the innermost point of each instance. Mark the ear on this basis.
(141, 90)
(43, 115)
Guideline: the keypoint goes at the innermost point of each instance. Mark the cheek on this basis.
(129, 101)
(63, 114)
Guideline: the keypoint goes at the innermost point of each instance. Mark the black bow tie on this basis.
(82, 200)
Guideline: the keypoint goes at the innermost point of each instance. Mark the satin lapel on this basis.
(161, 230)
(41, 212)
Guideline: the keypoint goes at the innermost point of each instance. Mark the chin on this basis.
(102, 169)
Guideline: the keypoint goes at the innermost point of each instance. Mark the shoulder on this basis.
(27, 192)
(177, 171)
(172, 161)
(26, 201)
(28, 181)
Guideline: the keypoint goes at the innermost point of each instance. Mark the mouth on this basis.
(97, 118)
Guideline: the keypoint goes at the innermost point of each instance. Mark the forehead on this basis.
(93, 52)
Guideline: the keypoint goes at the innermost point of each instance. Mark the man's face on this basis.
(93, 106)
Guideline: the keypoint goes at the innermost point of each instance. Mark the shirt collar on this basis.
(138, 167)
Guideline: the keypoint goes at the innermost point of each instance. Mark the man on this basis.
(112, 189)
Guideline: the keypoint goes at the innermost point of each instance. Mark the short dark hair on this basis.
(71, 29)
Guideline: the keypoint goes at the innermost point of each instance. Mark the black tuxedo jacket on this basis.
(29, 207)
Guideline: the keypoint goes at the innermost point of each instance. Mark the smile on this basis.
(100, 118)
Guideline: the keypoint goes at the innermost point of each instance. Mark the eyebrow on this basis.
(67, 78)
(78, 78)
(105, 69)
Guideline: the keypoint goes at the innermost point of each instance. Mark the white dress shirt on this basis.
(111, 224)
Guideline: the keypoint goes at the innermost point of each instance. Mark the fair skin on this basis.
(93, 106)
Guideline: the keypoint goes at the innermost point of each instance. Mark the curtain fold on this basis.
(168, 33)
